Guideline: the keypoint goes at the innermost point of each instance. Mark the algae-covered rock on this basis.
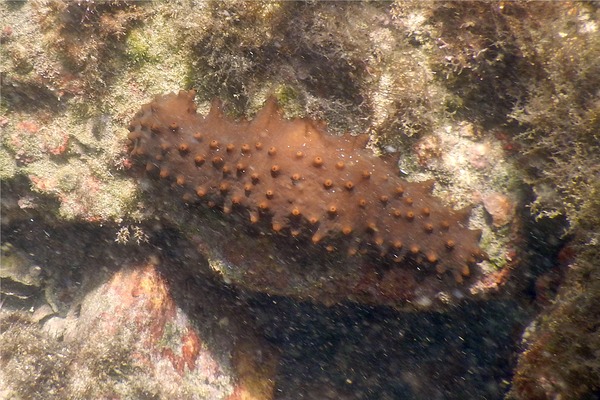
(17, 267)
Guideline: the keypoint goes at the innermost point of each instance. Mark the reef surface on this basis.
(497, 102)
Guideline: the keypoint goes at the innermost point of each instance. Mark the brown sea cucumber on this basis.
(292, 178)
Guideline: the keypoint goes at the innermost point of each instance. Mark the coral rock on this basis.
(136, 306)
(500, 207)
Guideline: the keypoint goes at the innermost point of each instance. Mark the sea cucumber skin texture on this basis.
(292, 178)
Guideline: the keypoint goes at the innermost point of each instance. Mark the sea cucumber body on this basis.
(292, 178)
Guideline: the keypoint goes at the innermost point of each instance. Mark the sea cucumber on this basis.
(292, 178)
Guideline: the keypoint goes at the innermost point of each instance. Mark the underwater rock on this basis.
(21, 278)
(114, 320)
(184, 357)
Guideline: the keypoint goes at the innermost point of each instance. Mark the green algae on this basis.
(139, 50)
(8, 166)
